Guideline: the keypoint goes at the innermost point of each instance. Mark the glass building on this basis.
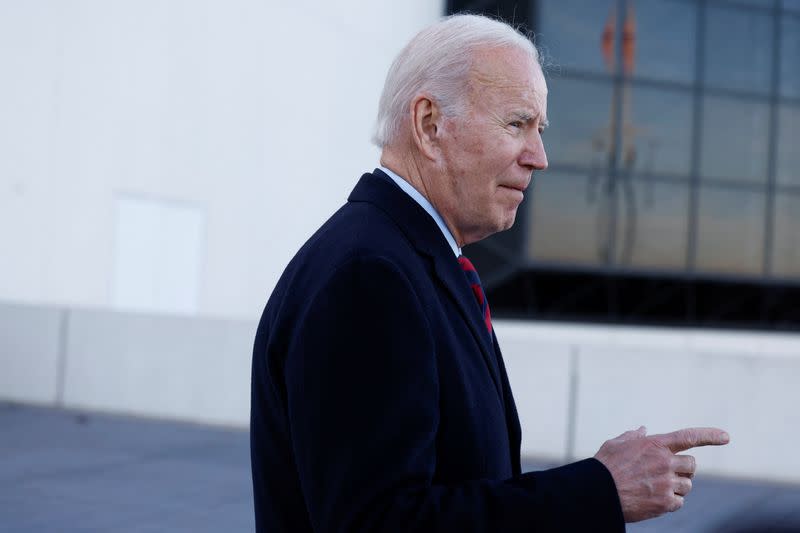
(673, 191)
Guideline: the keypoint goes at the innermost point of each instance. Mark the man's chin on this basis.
(509, 220)
(503, 225)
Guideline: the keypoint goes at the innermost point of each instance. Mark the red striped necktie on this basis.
(477, 289)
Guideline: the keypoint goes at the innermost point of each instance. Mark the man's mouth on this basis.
(520, 188)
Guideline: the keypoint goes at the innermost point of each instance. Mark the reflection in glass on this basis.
(662, 124)
(735, 135)
(653, 225)
(788, 164)
(570, 32)
(790, 52)
(738, 49)
(786, 244)
(579, 113)
(665, 39)
(756, 3)
(792, 5)
(565, 224)
(730, 231)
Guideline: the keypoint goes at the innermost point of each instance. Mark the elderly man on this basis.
(380, 400)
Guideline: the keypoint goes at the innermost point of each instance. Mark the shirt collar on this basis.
(426, 205)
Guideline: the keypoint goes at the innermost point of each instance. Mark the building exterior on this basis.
(673, 192)
(161, 162)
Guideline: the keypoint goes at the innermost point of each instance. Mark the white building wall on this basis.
(257, 113)
(595, 382)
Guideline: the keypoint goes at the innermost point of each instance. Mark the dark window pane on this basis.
(756, 3)
(735, 134)
(661, 130)
(738, 49)
(665, 39)
(571, 33)
(788, 168)
(793, 5)
(786, 244)
(566, 224)
(730, 231)
(653, 221)
(579, 114)
(790, 56)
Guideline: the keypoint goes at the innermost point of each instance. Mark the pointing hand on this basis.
(651, 479)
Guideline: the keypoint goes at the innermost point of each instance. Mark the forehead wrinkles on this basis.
(494, 86)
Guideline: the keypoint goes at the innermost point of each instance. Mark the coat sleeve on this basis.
(362, 397)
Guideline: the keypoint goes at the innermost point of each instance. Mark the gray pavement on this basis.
(67, 471)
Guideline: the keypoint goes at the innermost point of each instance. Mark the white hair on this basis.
(437, 61)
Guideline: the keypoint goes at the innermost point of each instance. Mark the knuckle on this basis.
(683, 486)
(677, 503)
(668, 505)
(664, 464)
(665, 489)
(676, 461)
(684, 464)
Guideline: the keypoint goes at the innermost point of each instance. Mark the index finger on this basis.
(683, 439)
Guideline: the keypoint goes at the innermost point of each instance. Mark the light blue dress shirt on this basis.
(426, 205)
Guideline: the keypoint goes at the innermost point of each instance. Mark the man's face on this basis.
(488, 156)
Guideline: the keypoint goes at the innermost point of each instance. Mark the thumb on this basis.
(633, 434)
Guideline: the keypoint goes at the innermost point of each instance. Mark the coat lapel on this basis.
(512, 417)
(453, 279)
(425, 235)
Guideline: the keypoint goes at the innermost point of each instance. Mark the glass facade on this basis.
(674, 143)
(673, 193)
(790, 52)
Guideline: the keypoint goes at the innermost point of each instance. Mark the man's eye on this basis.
(515, 124)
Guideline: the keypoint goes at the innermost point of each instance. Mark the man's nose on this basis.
(534, 156)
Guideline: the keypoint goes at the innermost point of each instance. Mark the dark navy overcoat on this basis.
(381, 403)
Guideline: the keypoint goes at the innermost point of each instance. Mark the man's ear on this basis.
(426, 126)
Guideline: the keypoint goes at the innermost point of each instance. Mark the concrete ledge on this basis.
(746, 383)
(177, 367)
(540, 379)
(575, 385)
(752, 397)
(30, 346)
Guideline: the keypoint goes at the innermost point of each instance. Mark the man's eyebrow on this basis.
(527, 117)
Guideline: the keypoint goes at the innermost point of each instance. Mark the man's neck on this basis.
(407, 164)
(417, 196)
(406, 168)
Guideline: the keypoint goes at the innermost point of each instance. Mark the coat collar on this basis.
(423, 233)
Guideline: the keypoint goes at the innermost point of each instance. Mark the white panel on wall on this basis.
(158, 253)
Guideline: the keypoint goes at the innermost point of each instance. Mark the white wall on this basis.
(618, 378)
(256, 112)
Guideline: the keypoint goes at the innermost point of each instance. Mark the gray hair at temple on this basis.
(437, 61)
